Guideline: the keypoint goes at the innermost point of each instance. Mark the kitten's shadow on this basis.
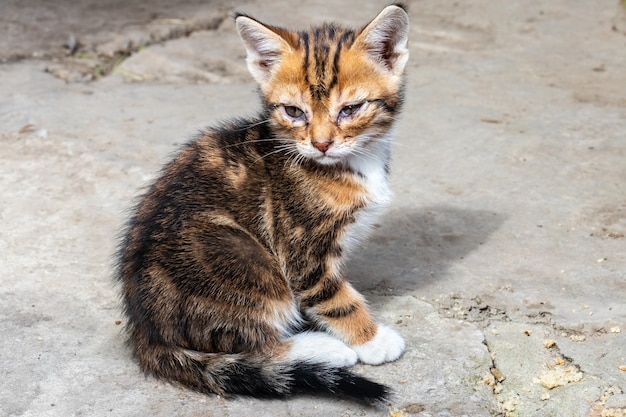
(410, 249)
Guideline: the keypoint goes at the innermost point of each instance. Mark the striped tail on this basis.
(255, 376)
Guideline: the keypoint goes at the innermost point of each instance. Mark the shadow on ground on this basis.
(413, 248)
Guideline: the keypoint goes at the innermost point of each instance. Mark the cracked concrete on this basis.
(501, 261)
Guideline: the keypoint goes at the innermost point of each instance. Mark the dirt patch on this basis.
(609, 222)
(474, 310)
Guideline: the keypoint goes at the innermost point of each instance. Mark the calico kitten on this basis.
(231, 263)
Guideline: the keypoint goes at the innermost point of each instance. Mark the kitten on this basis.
(231, 263)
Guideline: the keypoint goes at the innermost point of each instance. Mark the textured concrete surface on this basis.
(502, 260)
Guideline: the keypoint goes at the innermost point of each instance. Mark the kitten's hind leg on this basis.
(320, 347)
(236, 298)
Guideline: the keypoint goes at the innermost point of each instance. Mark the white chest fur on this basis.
(372, 173)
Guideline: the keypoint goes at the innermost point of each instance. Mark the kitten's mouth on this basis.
(327, 159)
(324, 153)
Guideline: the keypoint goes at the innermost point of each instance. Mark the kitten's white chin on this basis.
(327, 160)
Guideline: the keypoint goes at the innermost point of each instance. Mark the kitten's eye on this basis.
(293, 112)
(349, 110)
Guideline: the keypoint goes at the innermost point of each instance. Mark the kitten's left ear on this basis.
(264, 45)
(386, 38)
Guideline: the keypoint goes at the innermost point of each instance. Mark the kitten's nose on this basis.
(322, 146)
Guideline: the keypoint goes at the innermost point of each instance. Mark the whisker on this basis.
(382, 139)
(292, 158)
(254, 141)
(401, 145)
(265, 156)
(366, 154)
(246, 127)
(278, 149)
(296, 159)
(391, 142)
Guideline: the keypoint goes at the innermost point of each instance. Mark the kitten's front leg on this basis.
(342, 311)
(386, 346)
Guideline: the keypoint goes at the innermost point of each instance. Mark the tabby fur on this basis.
(231, 263)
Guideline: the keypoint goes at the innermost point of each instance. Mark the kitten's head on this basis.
(333, 93)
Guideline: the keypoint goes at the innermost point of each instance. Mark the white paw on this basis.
(321, 347)
(386, 346)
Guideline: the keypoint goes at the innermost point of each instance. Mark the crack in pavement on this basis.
(535, 361)
(91, 58)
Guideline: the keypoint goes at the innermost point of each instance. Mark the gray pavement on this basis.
(502, 260)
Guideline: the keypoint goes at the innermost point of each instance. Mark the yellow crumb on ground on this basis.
(560, 376)
(614, 412)
(397, 413)
(497, 374)
(488, 379)
(548, 343)
(509, 405)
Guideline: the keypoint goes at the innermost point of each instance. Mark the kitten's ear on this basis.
(264, 47)
(386, 38)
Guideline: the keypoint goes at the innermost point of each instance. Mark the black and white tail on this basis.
(261, 377)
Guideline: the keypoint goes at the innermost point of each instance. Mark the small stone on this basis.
(548, 343)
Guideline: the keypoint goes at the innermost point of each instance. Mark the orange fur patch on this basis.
(354, 324)
(342, 193)
(359, 327)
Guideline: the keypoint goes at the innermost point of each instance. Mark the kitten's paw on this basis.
(386, 346)
(321, 348)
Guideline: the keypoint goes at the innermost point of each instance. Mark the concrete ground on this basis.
(502, 260)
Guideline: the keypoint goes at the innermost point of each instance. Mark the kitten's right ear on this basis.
(264, 47)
